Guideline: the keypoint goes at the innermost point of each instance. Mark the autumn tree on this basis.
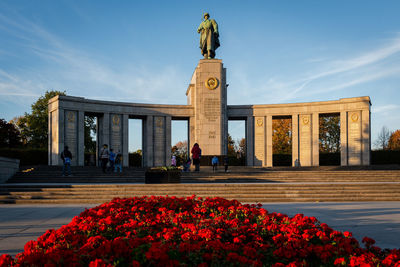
(242, 146)
(231, 146)
(394, 141)
(34, 126)
(180, 151)
(329, 134)
(383, 139)
(282, 135)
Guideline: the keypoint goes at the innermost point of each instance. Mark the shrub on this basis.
(329, 158)
(379, 157)
(27, 156)
(135, 159)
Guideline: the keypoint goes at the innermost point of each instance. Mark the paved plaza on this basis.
(378, 220)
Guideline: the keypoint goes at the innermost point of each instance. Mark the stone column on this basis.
(168, 141)
(250, 145)
(191, 132)
(295, 140)
(354, 137)
(104, 130)
(71, 134)
(315, 139)
(148, 142)
(125, 140)
(81, 138)
(366, 136)
(306, 139)
(259, 142)
(49, 139)
(116, 132)
(343, 138)
(210, 106)
(269, 141)
(159, 141)
(56, 135)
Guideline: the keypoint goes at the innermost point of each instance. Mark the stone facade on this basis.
(207, 114)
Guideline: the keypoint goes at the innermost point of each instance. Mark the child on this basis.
(112, 159)
(214, 163)
(173, 161)
(186, 166)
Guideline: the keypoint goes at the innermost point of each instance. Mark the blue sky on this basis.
(146, 51)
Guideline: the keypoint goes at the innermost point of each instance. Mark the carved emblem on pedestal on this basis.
(354, 117)
(115, 120)
(260, 122)
(159, 122)
(70, 116)
(211, 83)
(306, 120)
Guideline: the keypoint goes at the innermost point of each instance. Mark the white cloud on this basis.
(385, 108)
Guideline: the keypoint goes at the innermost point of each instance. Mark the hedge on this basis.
(379, 157)
(27, 156)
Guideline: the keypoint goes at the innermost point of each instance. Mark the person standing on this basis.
(186, 166)
(173, 161)
(118, 162)
(111, 159)
(104, 155)
(226, 162)
(66, 156)
(214, 163)
(196, 153)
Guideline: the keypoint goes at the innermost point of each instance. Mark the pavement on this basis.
(378, 220)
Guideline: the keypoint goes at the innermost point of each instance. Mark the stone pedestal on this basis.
(207, 95)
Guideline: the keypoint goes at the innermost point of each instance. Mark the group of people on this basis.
(113, 160)
(196, 155)
(110, 161)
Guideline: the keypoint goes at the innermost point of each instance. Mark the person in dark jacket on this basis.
(196, 153)
(226, 162)
(66, 156)
(104, 155)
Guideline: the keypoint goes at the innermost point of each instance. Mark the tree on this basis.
(180, 151)
(231, 146)
(394, 140)
(9, 135)
(90, 129)
(34, 126)
(383, 139)
(242, 146)
(282, 136)
(329, 134)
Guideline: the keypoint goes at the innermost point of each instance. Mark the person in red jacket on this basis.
(196, 154)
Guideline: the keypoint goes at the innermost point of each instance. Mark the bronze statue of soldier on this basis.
(209, 41)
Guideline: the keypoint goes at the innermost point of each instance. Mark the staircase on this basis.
(45, 184)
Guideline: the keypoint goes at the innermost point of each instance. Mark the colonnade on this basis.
(67, 116)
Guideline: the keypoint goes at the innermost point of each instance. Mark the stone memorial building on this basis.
(207, 114)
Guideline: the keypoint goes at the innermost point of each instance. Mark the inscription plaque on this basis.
(211, 109)
(116, 134)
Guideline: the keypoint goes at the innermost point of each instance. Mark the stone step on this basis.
(242, 192)
(89, 185)
(243, 200)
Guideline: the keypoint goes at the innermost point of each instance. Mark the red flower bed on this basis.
(169, 231)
